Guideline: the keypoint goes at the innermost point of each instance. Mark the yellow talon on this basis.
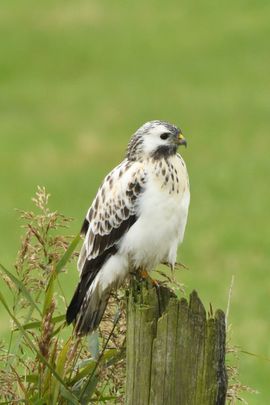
(145, 276)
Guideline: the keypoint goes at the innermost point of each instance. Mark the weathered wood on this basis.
(175, 353)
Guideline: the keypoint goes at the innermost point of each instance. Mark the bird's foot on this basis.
(145, 276)
(177, 265)
(172, 277)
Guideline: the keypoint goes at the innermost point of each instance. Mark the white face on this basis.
(155, 137)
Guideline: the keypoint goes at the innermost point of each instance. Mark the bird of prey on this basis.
(136, 221)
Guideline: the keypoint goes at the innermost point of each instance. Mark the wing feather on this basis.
(113, 211)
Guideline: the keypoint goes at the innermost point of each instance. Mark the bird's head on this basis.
(155, 139)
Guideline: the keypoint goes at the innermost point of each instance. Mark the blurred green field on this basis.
(78, 78)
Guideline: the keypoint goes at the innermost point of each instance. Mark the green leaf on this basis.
(88, 391)
(65, 258)
(32, 378)
(60, 369)
(93, 344)
(103, 399)
(21, 288)
(84, 362)
(115, 356)
(37, 324)
(259, 356)
(109, 354)
(62, 262)
(57, 330)
(42, 401)
(91, 364)
(84, 372)
(70, 398)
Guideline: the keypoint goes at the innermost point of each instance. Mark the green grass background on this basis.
(76, 80)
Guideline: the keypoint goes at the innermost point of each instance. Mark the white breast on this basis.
(162, 216)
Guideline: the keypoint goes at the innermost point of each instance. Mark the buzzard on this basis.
(136, 221)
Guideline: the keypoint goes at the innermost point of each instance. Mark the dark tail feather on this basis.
(87, 306)
(89, 318)
(88, 303)
(75, 305)
(79, 295)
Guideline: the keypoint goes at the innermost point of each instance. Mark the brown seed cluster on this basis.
(47, 327)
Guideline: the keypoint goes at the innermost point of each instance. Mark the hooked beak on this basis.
(181, 140)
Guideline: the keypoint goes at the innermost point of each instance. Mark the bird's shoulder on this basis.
(120, 188)
(114, 208)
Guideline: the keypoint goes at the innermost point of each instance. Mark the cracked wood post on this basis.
(177, 358)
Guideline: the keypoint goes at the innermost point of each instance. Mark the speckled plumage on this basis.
(136, 220)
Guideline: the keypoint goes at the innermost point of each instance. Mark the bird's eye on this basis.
(164, 136)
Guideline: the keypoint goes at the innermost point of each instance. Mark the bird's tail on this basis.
(87, 305)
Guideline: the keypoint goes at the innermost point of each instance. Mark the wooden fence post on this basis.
(175, 353)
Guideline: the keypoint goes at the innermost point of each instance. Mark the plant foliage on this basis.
(42, 363)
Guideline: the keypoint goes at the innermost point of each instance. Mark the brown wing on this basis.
(113, 211)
